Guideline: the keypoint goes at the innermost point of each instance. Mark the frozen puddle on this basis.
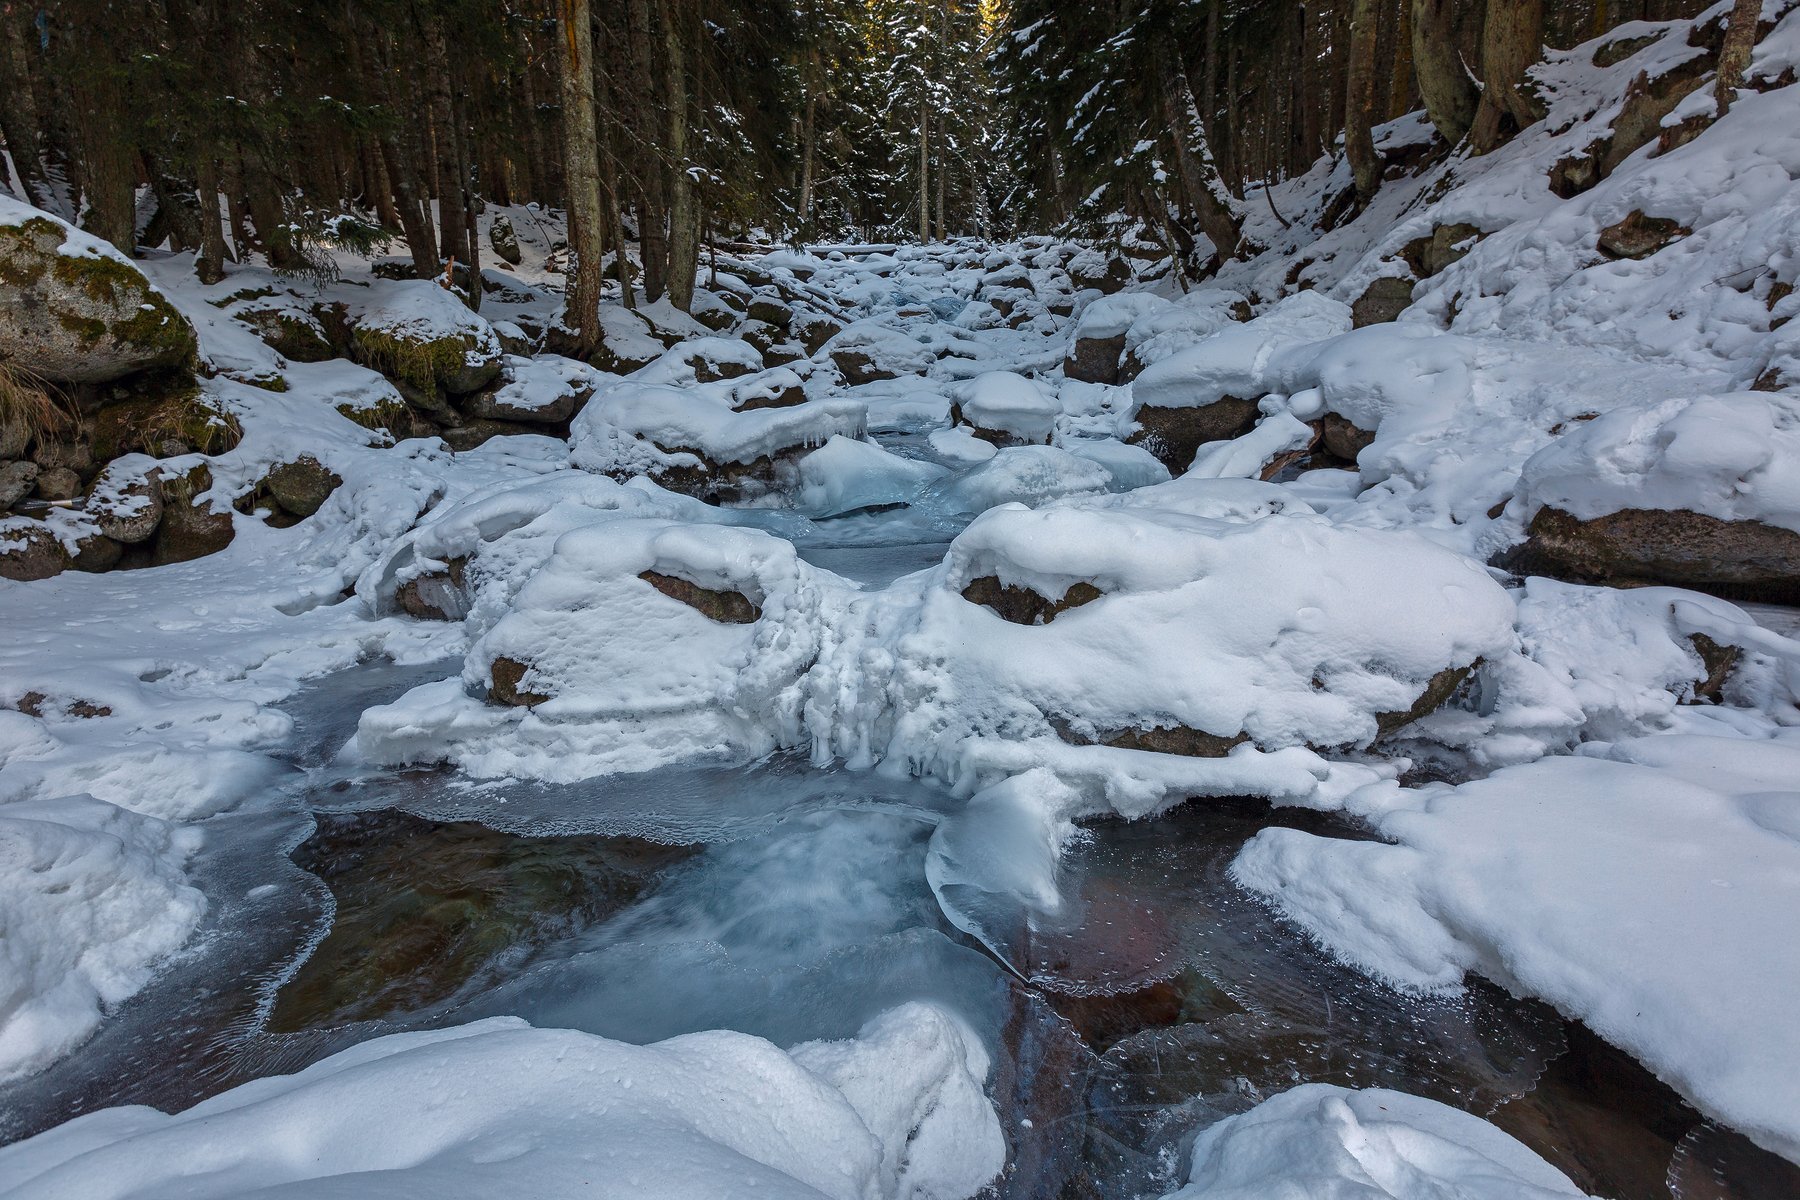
(793, 903)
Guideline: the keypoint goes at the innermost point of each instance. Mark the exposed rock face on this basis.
(1438, 689)
(437, 595)
(1095, 360)
(1174, 434)
(1647, 101)
(1023, 606)
(858, 367)
(505, 241)
(1382, 301)
(1741, 559)
(190, 530)
(16, 481)
(730, 608)
(1639, 236)
(1445, 245)
(302, 486)
(28, 550)
(81, 317)
(1342, 438)
(503, 687)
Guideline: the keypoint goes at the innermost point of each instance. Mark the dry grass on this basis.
(28, 403)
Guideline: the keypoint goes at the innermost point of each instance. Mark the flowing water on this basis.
(793, 903)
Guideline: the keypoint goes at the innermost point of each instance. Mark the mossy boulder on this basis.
(427, 342)
(72, 310)
(291, 332)
(190, 528)
(183, 422)
(301, 487)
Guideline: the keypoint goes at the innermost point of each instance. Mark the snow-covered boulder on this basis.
(1160, 333)
(1331, 1143)
(426, 340)
(691, 440)
(1102, 624)
(1006, 408)
(627, 341)
(1649, 893)
(545, 390)
(845, 475)
(897, 1112)
(1700, 492)
(872, 350)
(75, 310)
(1099, 336)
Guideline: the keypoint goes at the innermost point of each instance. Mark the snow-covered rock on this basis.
(497, 1107)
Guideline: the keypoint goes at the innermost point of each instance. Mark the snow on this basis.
(91, 896)
(1331, 1143)
(1625, 887)
(1008, 403)
(643, 428)
(1734, 457)
(897, 1112)
(844, 475)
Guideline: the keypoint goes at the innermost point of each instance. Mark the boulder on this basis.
(302, 486)
(427, 342)
(472, 433)
(436, 595)
(1106, 273)
(58, 483)
(96, 553)
(814, 329)
(28, 550)
(290, 332)
(1022, 605)
(1639, 236)
(1747, 560)
(1174, 434)
(126, 505)
(858, 367)
(505, 241)
(1382, 301)
(1342, 438)
(728, 608)
(1095, 360)
(190, 528)
(1446, 244)
(74, 310)
(184, 422)
(16, 482)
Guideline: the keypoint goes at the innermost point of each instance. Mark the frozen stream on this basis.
(793, 903)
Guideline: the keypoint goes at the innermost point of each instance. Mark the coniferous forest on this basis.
(900, 599)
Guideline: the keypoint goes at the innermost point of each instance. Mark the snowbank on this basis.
(499, 1108)
(91, 896)
(1649, 893)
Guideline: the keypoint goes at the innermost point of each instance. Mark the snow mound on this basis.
(1008, 403)
(1625, 890)
(1734, 457)
(500, 1108)
(845, 475)
(1331, 1143)
(90, 897)
(634, 428)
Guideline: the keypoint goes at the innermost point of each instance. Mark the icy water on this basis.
(794, 903)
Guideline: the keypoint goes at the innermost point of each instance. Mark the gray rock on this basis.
(505, 241)
(16, 481)
(81, 318)
(128, 510)
(58, 483)
(302, 486)
(1384, 300)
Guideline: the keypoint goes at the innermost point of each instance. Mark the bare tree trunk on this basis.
(652, 206)
(209, 266)
(1400, 80)
(581, 151)
(924, 170)
(1205, 191)
(684, 215)
(809, 136)
(1734, 53)
(1511, 41)
(19, 122)
(1359, 101)
(1444, 84)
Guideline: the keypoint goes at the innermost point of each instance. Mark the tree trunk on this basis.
(581, 152)
(1359, 101)
(808, 148)
(684, 214)
(20, 126)
(1734, 53)
(209, 266)
(652, 194)
(924, 169)
(1205, 191)
(1511, 41)
(1450, 95)
(1400, 80)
